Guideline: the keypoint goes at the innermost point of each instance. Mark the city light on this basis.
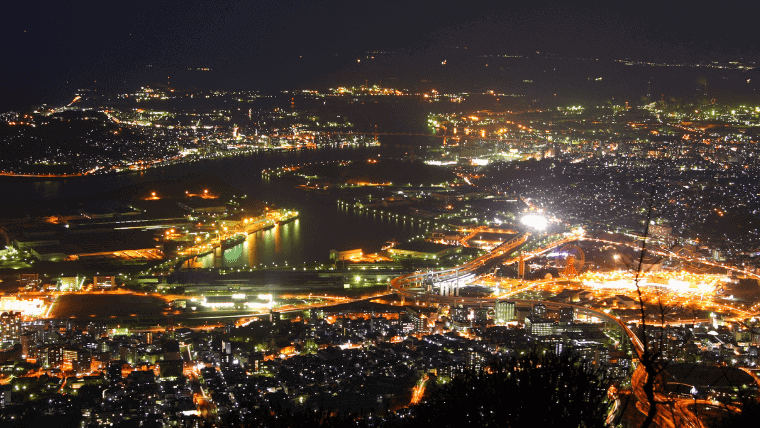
(619, 228)
(535, 221)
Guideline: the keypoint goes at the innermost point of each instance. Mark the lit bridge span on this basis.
(449, 281)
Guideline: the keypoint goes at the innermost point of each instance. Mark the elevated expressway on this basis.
(441, 286)
(449, 281)
(632, 245)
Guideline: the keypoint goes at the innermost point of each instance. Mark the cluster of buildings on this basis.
(113, 375)
(357, 358)
(68, 361)
(602, 167)
(371, 360)
(99, 134)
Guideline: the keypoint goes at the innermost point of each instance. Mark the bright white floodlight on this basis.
(535, 221)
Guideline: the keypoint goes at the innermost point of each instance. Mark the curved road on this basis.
(671, 412)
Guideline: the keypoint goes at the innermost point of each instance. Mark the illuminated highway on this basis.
(408, 285)
(671, 411)
(632, 245)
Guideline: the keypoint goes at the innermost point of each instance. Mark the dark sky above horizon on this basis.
(53, 48)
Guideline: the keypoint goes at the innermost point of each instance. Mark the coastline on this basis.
(179, 160)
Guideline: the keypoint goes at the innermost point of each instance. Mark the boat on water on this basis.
(233, 240)
(287, 217)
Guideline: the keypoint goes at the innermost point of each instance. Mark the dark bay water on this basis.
(322, 225)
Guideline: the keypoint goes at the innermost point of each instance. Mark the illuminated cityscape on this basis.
(249, 215)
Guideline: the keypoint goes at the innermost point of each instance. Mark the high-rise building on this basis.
(54, 357)
(566, 315)
(83, 362)
(69, 357)
(128, 353)
(504, 312)
(537, 326)
(5, 395)
(420, 320)
(114, 371)
(28, 344)
(474, 360)
(539, 310)
(171, 364)
(10, 328)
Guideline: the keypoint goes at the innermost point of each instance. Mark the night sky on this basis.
(52, 48)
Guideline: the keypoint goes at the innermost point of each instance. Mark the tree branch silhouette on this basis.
(650, 357)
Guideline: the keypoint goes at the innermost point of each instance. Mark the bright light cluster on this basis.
(35, 307)
(535, 221)
(686, 283)
(265, 302)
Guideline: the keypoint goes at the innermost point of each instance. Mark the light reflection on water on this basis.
(311, 237)
(266, 247)
(321, 227)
